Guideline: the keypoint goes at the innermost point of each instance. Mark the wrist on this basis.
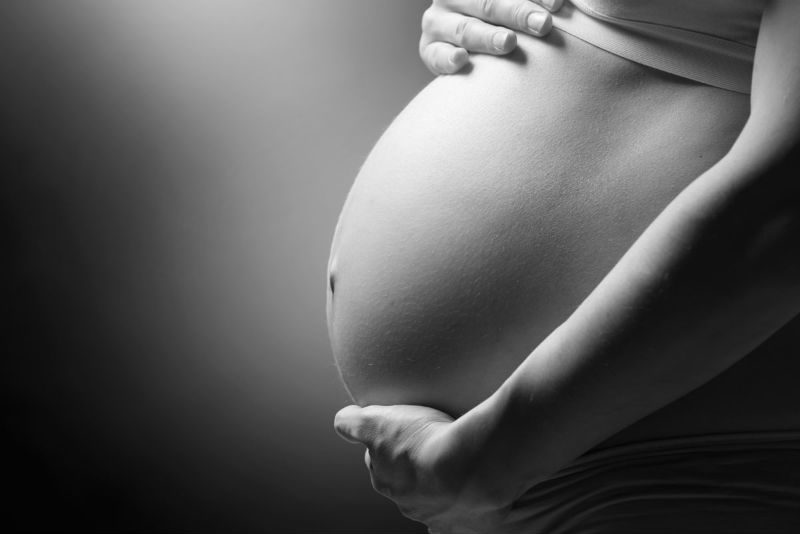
(513, 433)
(498, 466)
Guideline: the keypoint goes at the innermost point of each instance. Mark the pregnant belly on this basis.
(493, 205)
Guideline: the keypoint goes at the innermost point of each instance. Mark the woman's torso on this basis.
(494, 204)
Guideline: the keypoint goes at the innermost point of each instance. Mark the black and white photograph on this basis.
(400, 266)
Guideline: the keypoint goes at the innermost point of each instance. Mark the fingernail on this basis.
(549, 4)
(539, 22)
(500, 41)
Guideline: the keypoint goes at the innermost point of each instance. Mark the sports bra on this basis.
(737, 483)
(708, 41)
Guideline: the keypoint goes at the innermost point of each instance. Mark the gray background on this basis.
(172, 173)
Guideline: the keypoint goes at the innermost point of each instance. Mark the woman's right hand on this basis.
(451, 29)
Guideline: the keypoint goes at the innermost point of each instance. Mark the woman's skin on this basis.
(714, 275)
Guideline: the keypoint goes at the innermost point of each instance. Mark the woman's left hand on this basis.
(415, 459)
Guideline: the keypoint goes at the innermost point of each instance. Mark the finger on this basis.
(471, 34)
(443, 58)
(349, 424)
(523, 15)
(361, 425)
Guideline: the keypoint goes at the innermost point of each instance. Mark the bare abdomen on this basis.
(495, 202)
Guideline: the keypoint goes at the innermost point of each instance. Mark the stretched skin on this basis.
(493, 205)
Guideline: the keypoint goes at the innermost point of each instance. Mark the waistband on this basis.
(697, 56)
(722, 483)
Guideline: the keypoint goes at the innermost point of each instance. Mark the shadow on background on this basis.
(172, 174)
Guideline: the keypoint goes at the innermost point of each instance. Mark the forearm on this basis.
(714, 275)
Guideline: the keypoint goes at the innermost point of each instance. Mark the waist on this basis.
(696, 55)
(731, 483)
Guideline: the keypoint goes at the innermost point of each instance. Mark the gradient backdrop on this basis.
(171, 176)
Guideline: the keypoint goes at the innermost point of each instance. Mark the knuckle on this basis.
(487, 8)
(519, 14)
(462, 28)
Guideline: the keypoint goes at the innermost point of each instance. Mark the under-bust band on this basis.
(698, 56)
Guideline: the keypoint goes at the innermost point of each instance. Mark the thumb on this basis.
(353, 424)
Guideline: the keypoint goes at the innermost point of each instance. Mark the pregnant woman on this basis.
(563, 288)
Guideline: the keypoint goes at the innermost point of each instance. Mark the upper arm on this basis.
(774, 124)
